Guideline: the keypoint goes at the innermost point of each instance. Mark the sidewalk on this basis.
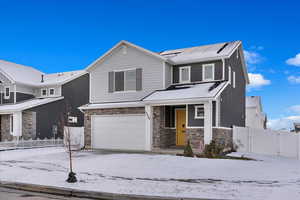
(84, 193)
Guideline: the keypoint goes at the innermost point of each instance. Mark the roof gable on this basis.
(118, 45)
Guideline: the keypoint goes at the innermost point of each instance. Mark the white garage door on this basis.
(125, 132)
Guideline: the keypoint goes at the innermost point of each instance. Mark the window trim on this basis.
(229, 75)
(196, 108)
(42, 92)
(233, 79)
(6, 96)
(50, 92)
(114, 82)
(213, 72)
(180, 76)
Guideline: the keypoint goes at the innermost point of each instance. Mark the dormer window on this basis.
(208, 72)
(51, 92)
(7, 93)
(185, 74)
(44, 92)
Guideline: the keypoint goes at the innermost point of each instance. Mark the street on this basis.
(11, 194)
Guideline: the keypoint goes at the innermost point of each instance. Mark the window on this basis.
(72, 119)
(229, 75)
(199, 112)
(125, 80)
(44, 92)
(233, 77)
(185, 74)
(11, 123)
(7, 93)
(51, 92)
(208, 72)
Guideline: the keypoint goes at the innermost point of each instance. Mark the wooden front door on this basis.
(180, 127)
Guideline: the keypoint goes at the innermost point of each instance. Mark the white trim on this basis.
(11, 124)
(223, 72)
(233, 79)
(50, 92)
(5, 96)
(204, 66)
(90, 88)
(180, 76)
(217, 112)
(15, 93)
(112, 105)
(222, 127)
(42, 89)
(149, 127)
(229, 75)
(172, 75)
(195, 110)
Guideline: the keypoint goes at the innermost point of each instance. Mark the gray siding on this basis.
(192, 122)
(196, 71)
(10, 100)
(22, 96)
(152, 75)
(232, 105)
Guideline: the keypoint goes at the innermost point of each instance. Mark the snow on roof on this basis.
(9, 108)
(112, 105)
(20, 73)
(30, 76)
(195, 54)
(203, 90)
(62, 77)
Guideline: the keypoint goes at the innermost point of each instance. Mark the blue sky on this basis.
(68, 35)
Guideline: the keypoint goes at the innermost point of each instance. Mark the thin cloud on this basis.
(252, 57)
(284, 123)
(257, 81)
(295, 61)
(294, 79)
(295, 109)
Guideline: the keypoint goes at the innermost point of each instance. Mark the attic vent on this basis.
(214, 86)
(223, 47)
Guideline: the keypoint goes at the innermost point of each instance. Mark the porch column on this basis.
(148, 126)
(17, 124)
(207, 122)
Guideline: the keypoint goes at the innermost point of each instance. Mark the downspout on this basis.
(223, 65)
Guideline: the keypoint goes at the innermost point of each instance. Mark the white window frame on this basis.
(233, 79)
(212, 65)
(42, 92)
(50, 92)
(6, 96)
(124, 70)
(229, 75)
(196, 108)
(180, 76)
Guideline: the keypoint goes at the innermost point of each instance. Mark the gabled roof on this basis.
(19, 73)
(187, 92)
(119, 44)
(25, 75)
(9, 108)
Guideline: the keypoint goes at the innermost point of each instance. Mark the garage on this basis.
(123, 132)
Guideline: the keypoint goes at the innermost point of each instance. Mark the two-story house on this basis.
(142, 100)
(255, 117)
(33, 104)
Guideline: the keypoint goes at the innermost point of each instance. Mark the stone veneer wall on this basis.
(28, 125)
(162, 137)
(106, 111)
(223, 136)
(5, 128)
(196, 137)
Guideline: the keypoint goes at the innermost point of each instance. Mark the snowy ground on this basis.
(159, 175)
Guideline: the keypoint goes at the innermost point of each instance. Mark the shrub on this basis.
(188, 151)
(213, 150)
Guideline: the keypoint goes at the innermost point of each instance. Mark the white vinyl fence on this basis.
(267, 142)
(30, 143)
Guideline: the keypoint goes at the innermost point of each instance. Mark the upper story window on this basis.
(44, 92)
(185, 74)
(199, 112)
(51, 91)
(7, 93)
(208, 72)
(126, 80)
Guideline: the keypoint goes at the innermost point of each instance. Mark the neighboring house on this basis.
(297, 127)
(255, 117)
(33, 103)
(141, 100)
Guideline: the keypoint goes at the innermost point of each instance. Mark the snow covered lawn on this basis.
(159, 175)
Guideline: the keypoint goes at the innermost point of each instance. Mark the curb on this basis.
(85, 193)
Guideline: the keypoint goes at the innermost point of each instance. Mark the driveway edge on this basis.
(85, 193)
